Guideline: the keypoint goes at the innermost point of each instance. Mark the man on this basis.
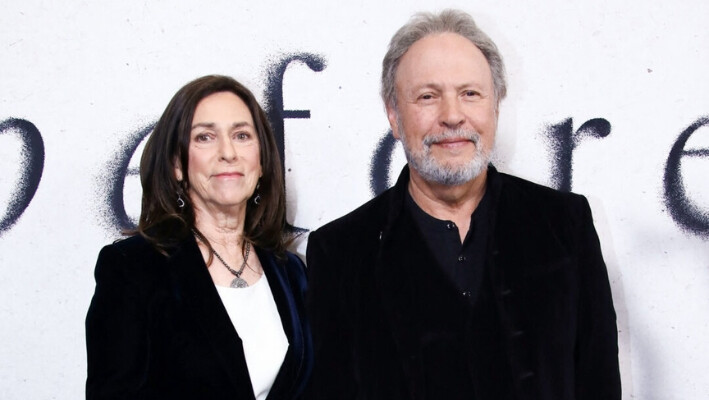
(459, 282)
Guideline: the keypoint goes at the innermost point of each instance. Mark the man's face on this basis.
(446, 114)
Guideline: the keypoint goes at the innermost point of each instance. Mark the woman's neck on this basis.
(221, 229)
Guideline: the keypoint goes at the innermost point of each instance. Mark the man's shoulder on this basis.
(516, 188)
(364, 215)
(523, 201)
(369, 217)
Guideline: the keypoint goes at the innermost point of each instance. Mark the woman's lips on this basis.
(229, 175)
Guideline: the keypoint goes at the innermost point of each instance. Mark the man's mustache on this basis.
(470, 135)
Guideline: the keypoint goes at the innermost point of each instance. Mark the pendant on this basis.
(239, 283)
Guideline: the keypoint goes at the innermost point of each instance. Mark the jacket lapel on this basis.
(278, 280)
(194, 286)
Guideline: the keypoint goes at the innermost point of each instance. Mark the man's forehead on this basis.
(438, 40)
(443, 58)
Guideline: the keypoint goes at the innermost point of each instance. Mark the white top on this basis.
(253, 312)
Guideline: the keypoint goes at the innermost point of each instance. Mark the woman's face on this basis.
(224, 158)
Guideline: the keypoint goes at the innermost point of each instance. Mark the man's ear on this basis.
(393, 121)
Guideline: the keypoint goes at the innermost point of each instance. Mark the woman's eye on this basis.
(202, 137)
(242, 136)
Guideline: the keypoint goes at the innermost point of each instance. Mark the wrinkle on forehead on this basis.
(434, 61)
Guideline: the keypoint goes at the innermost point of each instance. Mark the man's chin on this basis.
(454, 155)
(458, 167)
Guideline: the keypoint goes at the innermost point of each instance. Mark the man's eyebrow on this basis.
(429, 85)
(440, 86)
(471, 84)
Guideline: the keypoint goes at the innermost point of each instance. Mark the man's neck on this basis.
(454, 203)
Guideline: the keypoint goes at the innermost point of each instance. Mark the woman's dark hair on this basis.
(162, 222)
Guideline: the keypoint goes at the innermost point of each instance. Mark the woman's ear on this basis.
(178, 171)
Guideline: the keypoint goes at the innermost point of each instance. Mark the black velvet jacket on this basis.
(157, 329)
(388, 324)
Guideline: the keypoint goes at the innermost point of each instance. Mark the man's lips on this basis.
(453, 142)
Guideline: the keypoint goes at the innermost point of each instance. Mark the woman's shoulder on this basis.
(295, 269)
(133, 255)
(294, 263)
(130, 247)
(294, 259)
(134, 242)
(287, 258)
(289, 262)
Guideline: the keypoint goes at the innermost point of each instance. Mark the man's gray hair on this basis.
(424, 24)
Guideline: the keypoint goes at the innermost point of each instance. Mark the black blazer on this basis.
(388, 324)
(157, 329)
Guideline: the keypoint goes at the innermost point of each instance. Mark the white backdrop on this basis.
(89, 76)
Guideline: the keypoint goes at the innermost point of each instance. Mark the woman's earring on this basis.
(257, 198)
(180, 202)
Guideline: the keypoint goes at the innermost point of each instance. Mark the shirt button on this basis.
(450, 225)
(461, 258)
(466, 294)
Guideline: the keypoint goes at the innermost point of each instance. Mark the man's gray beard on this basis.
(431, 170)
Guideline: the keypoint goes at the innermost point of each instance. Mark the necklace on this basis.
(237, 282)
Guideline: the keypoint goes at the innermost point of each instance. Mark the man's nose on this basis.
(451, 115)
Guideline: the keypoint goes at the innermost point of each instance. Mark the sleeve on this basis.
(333, 372)
(116, 333)
(597, 372)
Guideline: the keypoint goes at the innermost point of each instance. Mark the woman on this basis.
(204, 301)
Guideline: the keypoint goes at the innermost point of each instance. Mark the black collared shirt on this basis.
(463, 263)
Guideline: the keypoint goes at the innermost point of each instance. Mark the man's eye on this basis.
(242, 136)
(471, 93)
